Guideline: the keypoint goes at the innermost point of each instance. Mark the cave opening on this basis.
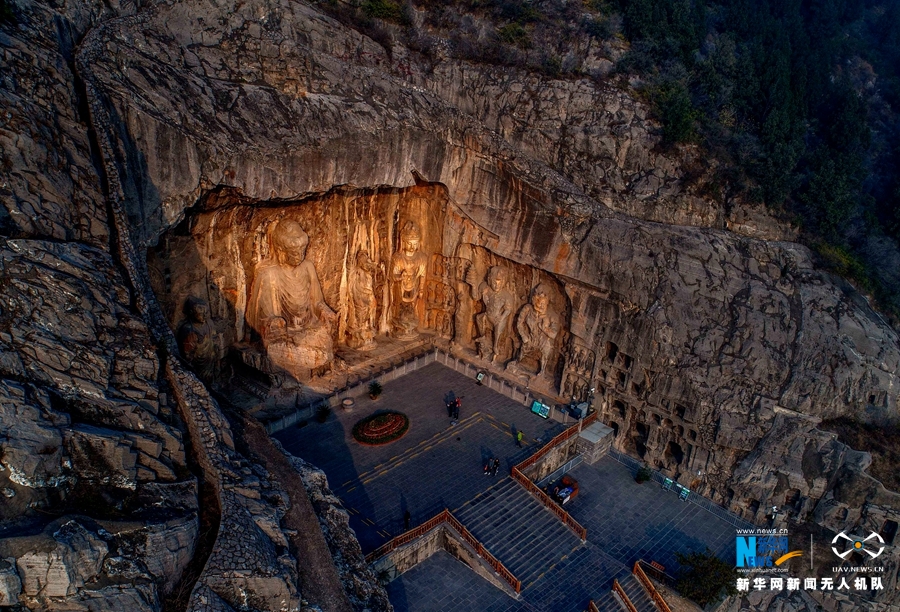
(674, 453)
(612, 350)
(889, 531)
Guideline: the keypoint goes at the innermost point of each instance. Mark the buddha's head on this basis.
(197, 310)
(410, 237)
(540, 298)
(498, 277)
(290, 242)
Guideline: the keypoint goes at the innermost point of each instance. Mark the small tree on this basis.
(704, 577)
(375, 389)
(323, 413)
(643, 474)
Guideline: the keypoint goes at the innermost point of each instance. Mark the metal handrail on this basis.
(657, 573)
(618, 589)
(517, 474)
(562, 437)
(564, 516)
(638, 571)
(446, 517)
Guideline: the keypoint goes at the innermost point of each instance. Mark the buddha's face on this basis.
(497, 280)
(410, 245)
(293, 250)
(540, 303)
(200, 312)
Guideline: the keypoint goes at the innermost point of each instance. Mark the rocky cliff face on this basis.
(103, 438)
(715, 344)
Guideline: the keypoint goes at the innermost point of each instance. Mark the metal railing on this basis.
(574, 430)
(551, 505)
(518, 475)
(657, 572)
(638, 571)
(634, 465)
(617, 588)
(445, 517)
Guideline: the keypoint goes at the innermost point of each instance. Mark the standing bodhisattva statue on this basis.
(498, 306)
(287, 307)
(361, 322)
(408, 267)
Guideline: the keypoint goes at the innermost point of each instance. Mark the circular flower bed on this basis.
(381, 428)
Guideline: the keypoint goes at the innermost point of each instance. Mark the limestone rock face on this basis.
(713, 342)
(75, 559)
(10, 583)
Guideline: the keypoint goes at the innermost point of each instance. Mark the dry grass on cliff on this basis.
(882, 442)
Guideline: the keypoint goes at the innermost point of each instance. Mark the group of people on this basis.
(453, 405)
(491, 467)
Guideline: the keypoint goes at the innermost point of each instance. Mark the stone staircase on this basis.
(636, 594)
(516, 528)
(608, 603)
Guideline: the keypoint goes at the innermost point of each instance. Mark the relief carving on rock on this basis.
(287, 308)
(196, 339)
(578, 371)
(408, 267)
(493, 322)
(363, 305)
(538, 326)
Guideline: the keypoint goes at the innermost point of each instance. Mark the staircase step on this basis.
(637, 594)
(516, 528)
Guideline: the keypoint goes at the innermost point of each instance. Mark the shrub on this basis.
(6, 12)
(375, 389)
(515, 34)
(644, 474)
(383, 9)
(323, 413)
(704, 577)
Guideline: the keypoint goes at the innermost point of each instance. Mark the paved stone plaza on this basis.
(437, 465)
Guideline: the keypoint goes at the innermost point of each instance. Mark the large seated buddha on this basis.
(287, 308)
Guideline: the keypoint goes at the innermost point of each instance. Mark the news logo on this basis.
(857, 545)
(763, 550)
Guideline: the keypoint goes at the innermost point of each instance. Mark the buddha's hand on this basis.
(276, 329)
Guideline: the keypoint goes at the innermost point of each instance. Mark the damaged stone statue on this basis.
(498, 306)
(538, 327)
(287, 307)
(195, 339)
(361, 319)
(408, 267)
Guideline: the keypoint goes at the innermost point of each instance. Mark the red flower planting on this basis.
(381, 428)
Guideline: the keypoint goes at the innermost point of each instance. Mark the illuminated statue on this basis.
(498, 306)
(361, 323)
(408, 267)
(287, 307)
(538, 328)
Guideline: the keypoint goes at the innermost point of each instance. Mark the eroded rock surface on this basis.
(715, 345)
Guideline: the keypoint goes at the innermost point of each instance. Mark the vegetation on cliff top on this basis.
(796, 100)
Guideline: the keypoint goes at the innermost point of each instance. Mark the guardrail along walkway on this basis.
(518, 530)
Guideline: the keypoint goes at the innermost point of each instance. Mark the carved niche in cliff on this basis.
(304, 287)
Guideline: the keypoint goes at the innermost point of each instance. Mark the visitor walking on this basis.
(450, 401)
(495, 466)
(456, 406)
(519, 437)
(406, 518)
